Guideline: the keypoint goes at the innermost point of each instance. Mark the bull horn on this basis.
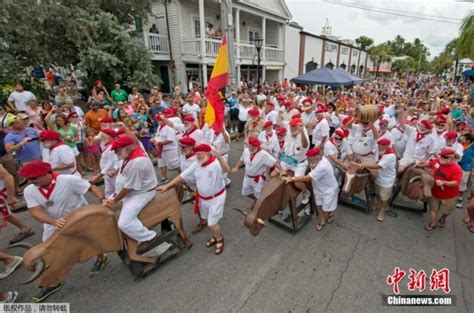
(39, 268)
(261, 222)
(242, 212)
(414, 178)
(21, 244)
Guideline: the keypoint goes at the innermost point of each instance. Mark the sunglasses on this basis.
(337, 138)
(446, 157)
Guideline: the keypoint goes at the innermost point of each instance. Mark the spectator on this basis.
(97, 88)
(23, 141)
(118, 94)
(77, 123)
(69, 134)
(165, 102)
(19, 99)
(4, 115)
(134, 97)
(191, 108)
(62, 98)
(154, 29)
(91, 119)
(35, 114)
(124, 106)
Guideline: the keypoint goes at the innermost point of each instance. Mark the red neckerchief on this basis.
(189, 155)
(188, 133)
(57, 144)
(47, 192)
(382, 133)
(400, 129)
(252, 155)
(337, 147)
(161, 126)
(281, 143)
(388, 151)
(136, 153)
(211, 159)
(268, 137)
(419, 136)
(254, 124)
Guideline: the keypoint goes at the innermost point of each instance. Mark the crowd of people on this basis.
(53, 152)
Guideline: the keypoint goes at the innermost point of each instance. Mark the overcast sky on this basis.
(350, 23)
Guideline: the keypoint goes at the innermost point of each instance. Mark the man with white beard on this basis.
(61, 157)
(191, 130)
(337, 150)
(207, 172)
(321, 129)
(167, 145)
(269, 139)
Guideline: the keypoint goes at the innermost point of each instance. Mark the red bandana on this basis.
(211, 159)
(281, 143)
(254, 124)
(57, 144)
(192, 130)
(388, 151)
(419, 137)
(136, 153)
(189, 155)
(337, 147)
(47, 192)
(252, 155)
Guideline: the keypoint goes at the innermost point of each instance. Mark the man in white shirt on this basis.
(386, 168)
(451, 143)
(438, 132)
(207, 172)
(19, 98)
(191, 108)
(135, 187)
(308, 117)
(269, 139)
(338, 151)
(258, 164)
(61, 157)
(321, 129)
(364, 141)
(167, 147)
(272, 114)
(325, 186)
(50, 198)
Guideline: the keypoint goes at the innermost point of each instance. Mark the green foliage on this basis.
(407, 65)
(465, 42)
(379, 54)
(441, 63)
(364, 42)
(92, 35)
(7, 86)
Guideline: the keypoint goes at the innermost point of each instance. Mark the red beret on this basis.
(50, 135)
(384, 142)
(254, 112)
(71, 114)
(168, 112)
(253, 141)
(346, 120)
(383, 121)
(122, 142)
(112, 133)
(188, 118)
(106, 120)
(440, 120)
(281, 97)
(320, 110)
(313, 152)
(427, 124)
(35, 169)
(447, 152)
(295, 122)
(340, 133)
(281, 131)
(307, 100)
(451, 135)
(444, 111)
(268, 124)
(187, 141)
(202, 148)
(120, 131)
(296, 115)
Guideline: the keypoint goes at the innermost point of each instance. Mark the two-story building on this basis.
(183, 37)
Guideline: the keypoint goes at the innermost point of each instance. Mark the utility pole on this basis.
(228, 28)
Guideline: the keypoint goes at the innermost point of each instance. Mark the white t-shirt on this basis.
(323, 180)
(294, 147)
(138, 174)
(363, 141)
(341, 154)
(259, 165)
(272, 116)
(167, 133)
(269, 142)
(418, 150)
(192, 109)
(399, 139)
(61, 155)
(243, 113)
(108, 161)
(68, 194)
(21, 99)
(320, 130)
(388, 172)
(209, 179)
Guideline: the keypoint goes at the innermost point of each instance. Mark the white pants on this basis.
(109, 186)
(328, 201)
(212, 210)
(128, 221)
(169, 159)
(250, 187)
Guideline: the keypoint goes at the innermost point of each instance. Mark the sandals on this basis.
(430, 227)
(20, 236)
(198, 228)
(319, 226)
(331, 217)
(219, 246)
(211, 242)
(442, 222)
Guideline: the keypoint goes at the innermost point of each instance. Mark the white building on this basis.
(186, 24)
(305, 52)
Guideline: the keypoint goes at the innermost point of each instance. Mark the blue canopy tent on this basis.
(468, 73)
(323, 76)
(344, 73)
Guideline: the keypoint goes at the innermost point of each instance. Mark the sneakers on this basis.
(10, 268)
(231, 131)
(459, 204)
(305, 198)
(11, 297)
(98, 266)
(45, 293)
(227, 182)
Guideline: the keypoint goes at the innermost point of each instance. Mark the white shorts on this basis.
(465, 179)
(250, 187)
(169, 159)
(212, 210)
(328, 201)
(405, 162)
(298, 169)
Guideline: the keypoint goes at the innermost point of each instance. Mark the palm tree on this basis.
(465, 42)
(380, 54)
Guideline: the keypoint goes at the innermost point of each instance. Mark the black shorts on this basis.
(240, 126)
(234, 114)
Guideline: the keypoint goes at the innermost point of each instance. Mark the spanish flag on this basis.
(215, 93)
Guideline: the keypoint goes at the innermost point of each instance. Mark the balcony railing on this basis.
(157, 44)
(274, 54)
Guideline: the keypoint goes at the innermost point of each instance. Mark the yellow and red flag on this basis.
(215, 93)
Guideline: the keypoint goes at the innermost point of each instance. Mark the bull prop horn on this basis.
(21, 244)
(414, 178)
(39, 268)
(259, 220)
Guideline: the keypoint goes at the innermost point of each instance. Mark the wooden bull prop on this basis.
(274, 198)
(91, 230)
(355, 180)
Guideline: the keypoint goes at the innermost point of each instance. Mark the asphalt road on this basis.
(341, 269)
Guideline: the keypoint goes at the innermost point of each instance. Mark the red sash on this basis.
(255, 123)
(4, 212)
(47, 192)
(136, 153)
